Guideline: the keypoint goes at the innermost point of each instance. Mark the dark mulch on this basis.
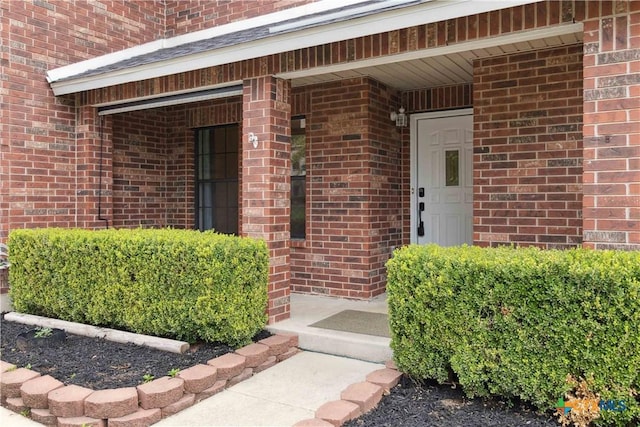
(100, 364)
(412, 404)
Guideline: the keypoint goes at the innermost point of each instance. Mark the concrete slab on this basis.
(233, 409)
(10, 418)
(309, 309)
(307, 380)
(280, 396)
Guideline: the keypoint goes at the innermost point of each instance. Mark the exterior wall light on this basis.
(253, 139)
(400, 117)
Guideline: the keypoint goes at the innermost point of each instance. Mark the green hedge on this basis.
(518, 322)
(174, 283)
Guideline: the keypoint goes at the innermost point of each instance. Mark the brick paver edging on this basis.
(50, 402)
(355, 400)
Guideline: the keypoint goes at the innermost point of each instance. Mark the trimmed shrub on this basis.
(173, 283)
(520, 322)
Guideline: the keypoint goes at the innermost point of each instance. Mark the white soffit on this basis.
(423, 13)
(507, 39)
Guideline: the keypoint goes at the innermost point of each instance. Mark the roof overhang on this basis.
(477, 44)
(70, 79)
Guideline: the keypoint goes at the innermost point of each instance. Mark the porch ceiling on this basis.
(440, 70)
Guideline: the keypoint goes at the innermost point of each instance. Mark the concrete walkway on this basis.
(289, 392)
(11, 419)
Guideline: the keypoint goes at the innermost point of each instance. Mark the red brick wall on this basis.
(353, 189)
(193, 15)
(612, 126)
(528, 149)
(265, 183)
(140, 169)
(94, 178)
(37, 130)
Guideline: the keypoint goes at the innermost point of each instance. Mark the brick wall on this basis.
(194, 15)
(37, 130)
(612, 125)
(528, 148)
(140, 160)
(353, 189)
(266, 183)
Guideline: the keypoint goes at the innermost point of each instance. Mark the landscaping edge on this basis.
(48, 401)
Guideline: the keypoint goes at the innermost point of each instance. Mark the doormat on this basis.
(357, 322)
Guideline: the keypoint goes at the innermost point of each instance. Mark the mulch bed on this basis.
(413, 404)
(100, 364)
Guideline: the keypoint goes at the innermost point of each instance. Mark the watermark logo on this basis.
(590, 405)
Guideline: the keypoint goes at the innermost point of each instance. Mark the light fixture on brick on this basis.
(253, 138)
(400, 117)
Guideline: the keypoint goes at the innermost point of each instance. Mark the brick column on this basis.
(94, 171)
(611, 178)
(266, 180)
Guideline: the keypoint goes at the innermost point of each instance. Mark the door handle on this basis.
(420, 222)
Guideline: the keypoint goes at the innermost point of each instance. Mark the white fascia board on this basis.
(424, 13)
(521, 36)
(258, 21)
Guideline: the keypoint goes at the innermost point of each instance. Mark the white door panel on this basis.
(442, 157)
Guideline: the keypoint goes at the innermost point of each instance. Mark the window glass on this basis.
(452, 168)
(217, 178)
(298, 177)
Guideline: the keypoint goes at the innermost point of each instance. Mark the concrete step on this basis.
(368, 348)
(308, 309)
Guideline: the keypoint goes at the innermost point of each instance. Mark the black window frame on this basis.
(198, 181)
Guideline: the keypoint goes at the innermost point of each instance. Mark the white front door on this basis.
(442, 178)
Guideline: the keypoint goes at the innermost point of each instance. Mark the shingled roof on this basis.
(249, 35)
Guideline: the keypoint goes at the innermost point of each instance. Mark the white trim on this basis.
(423, 13)
(413, 164)
(522, 36)
(341, 14)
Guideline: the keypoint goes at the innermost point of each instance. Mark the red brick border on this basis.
(356, 399)
(153, 401)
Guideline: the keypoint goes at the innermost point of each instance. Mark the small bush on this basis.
(520, 322)
(175, 283)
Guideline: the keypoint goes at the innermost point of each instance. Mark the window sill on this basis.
(298, 243)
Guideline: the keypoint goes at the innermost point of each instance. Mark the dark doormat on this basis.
(357, 322)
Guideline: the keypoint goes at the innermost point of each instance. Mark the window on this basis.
(298, 178)
(452, 168)
(217, 166)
